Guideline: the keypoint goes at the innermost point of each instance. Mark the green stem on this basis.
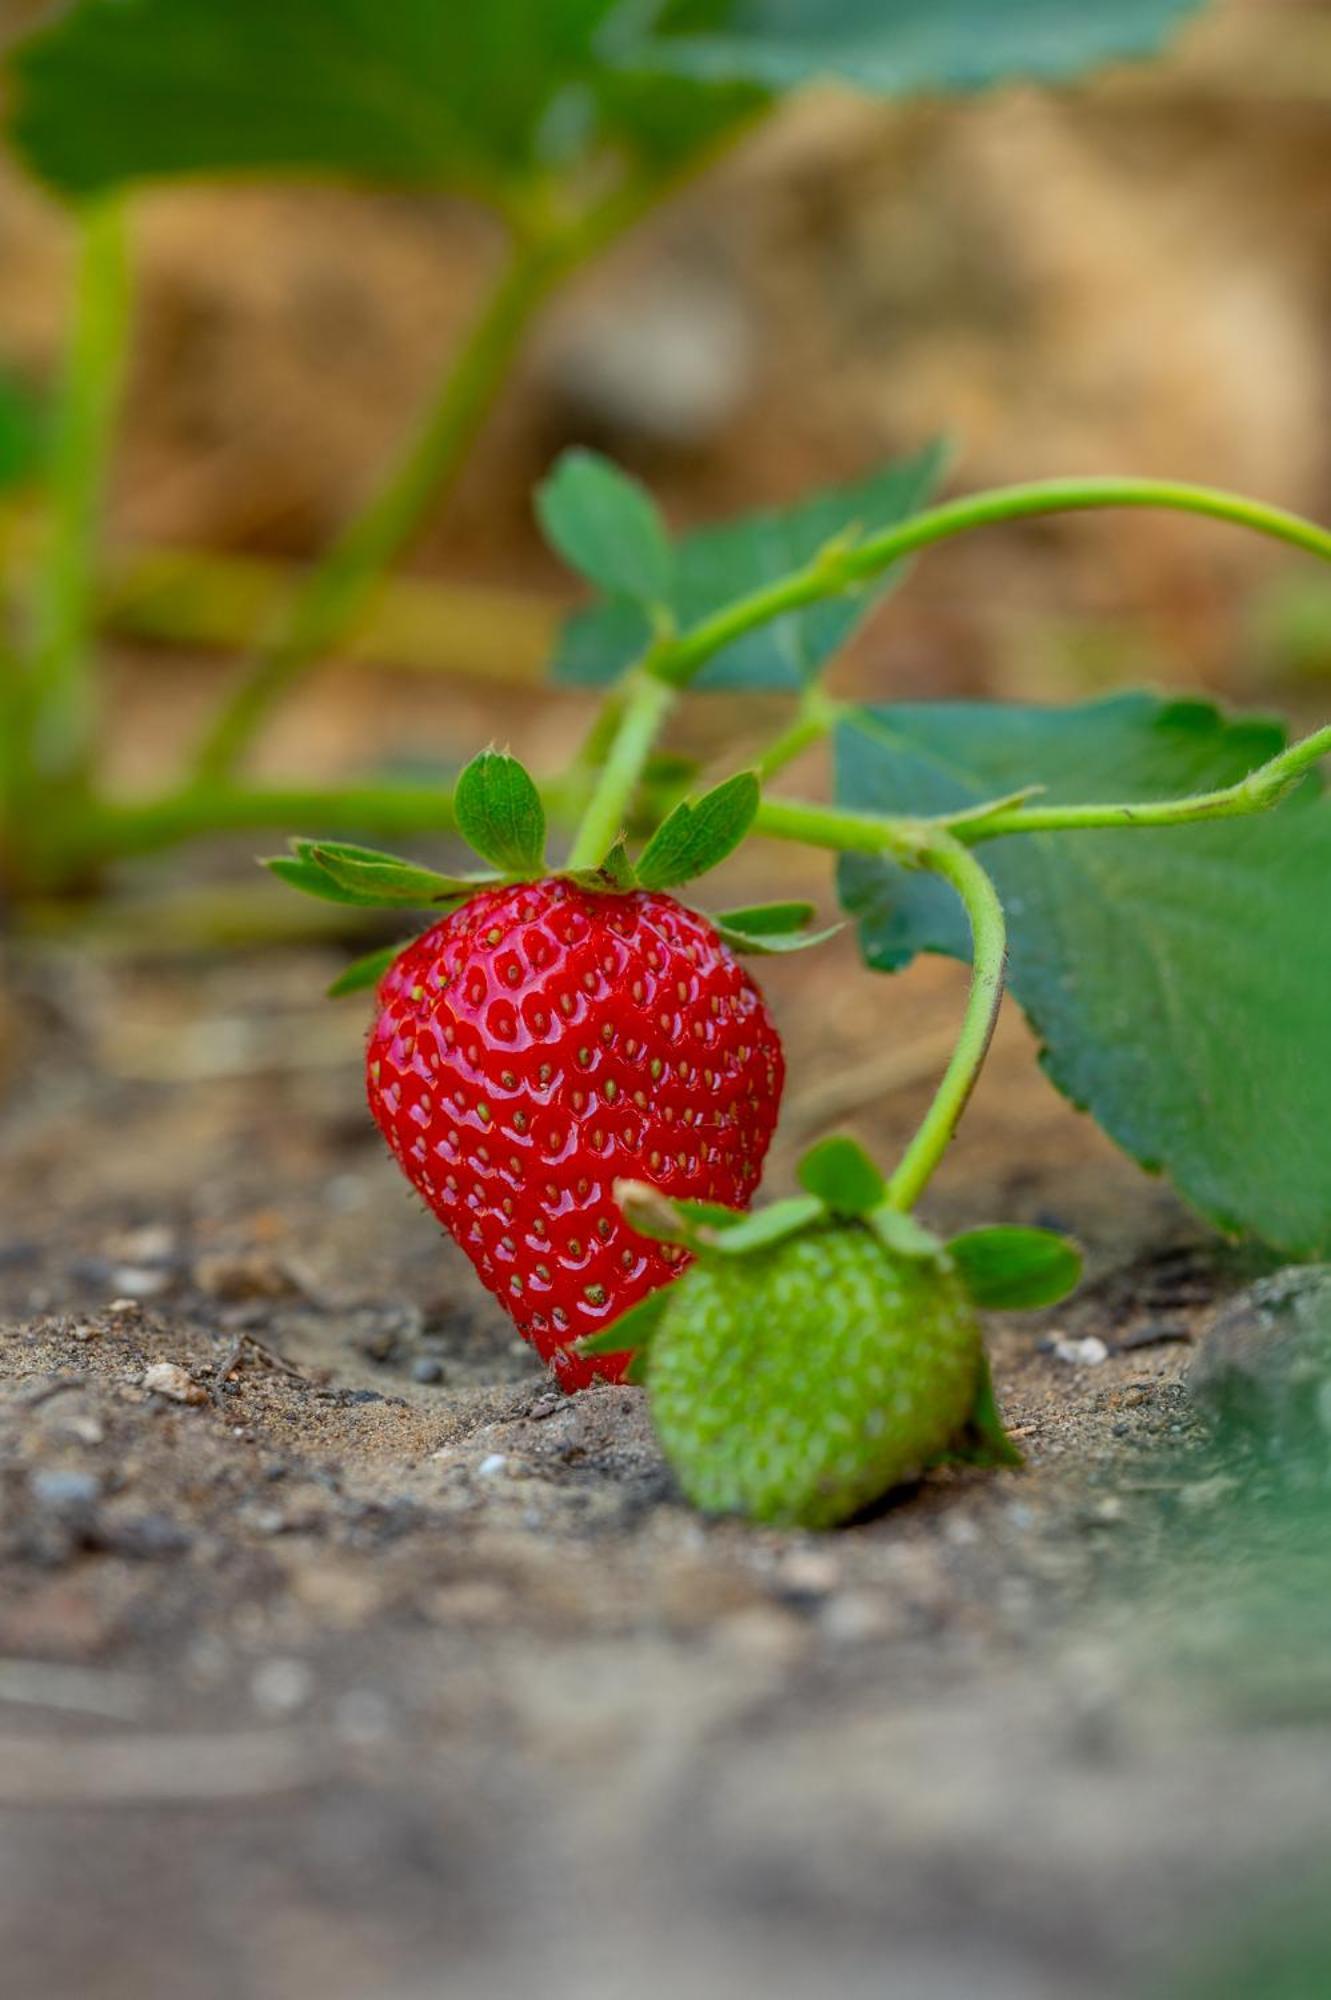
(1261, 789)
(840, 568)
(946, 857)
(338, 589)
(644, 703)
(60, 701)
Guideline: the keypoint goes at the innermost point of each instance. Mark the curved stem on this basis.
(839, 568)
(337, 590)
(946, 857)
(59, 700)
(645, 701)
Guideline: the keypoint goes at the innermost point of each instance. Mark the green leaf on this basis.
(665, 1220)
(384, 876)
(499, 813)
(365, 972)
(414, 92)
(906, 1236)
(632, 1331)
(607, 526)
(843, 1176)
(615, 875)
(1016, 1269)
(910, 46)
(716, 566)
(773, 943)
(1178, 978)
(700, 833)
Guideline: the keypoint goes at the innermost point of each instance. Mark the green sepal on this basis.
(632, 1331)
(366, 971)
(757, 945)
(841, 1174)
(700, 833)
(386, 877)
(905, 1236)
(984, 1441)
(766, 1226)
(499, 813)
(1010, 1269)
(664, 1220)
(615, 876)
(766, 919)
(607, 526)
(312, 880)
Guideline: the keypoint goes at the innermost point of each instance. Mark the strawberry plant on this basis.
(574, 1070)
(568, 120)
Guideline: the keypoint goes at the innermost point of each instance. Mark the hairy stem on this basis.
(644, 703)
(946, 857)
(337, 590)
(840, 568)
(60, 704)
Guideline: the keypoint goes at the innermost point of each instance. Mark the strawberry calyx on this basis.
(499, 813)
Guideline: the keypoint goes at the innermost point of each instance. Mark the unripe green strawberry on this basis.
(798, 1383)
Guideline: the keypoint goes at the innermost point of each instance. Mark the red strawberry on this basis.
(543, 1041)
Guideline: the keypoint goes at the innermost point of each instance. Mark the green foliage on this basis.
(770, 929)
(1010, 1269)
(420, 92)
(1176, 978)
(699, 833)
(607, 526)
(499, 813)
(910, 45)
(337, 872)
(716, 566)
(842, 1176)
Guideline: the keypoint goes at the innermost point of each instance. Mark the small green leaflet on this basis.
(499, 813)
(911, 45)
(338, 872)
(985, 1441)
(365, 972)
(770, 928)
(1016, 1269)
(715, 566)
(842, 1176)
(767, 1226)
(607, 526)
(699, 833)
(1177, 978)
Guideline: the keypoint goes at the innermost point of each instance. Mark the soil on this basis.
(340, 1654)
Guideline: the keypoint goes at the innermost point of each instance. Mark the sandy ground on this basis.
(377, 1669)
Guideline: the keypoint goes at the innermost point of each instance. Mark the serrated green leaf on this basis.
(766, 1226)
(632, 1331)
(767, 919)
(499, 813)
(607, 527)
(1178, 978)
(386, 877)
(911, 45)
(365, 972)
(1016, 1269)
(716, 565)
(412, 92)
(842, 1176)
(700, 833)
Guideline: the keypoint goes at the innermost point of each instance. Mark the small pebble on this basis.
(280, 1687)
(65, 1489)
(1088, 1353)
(492, 1466)
(427, 1369)
(169, 1379)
